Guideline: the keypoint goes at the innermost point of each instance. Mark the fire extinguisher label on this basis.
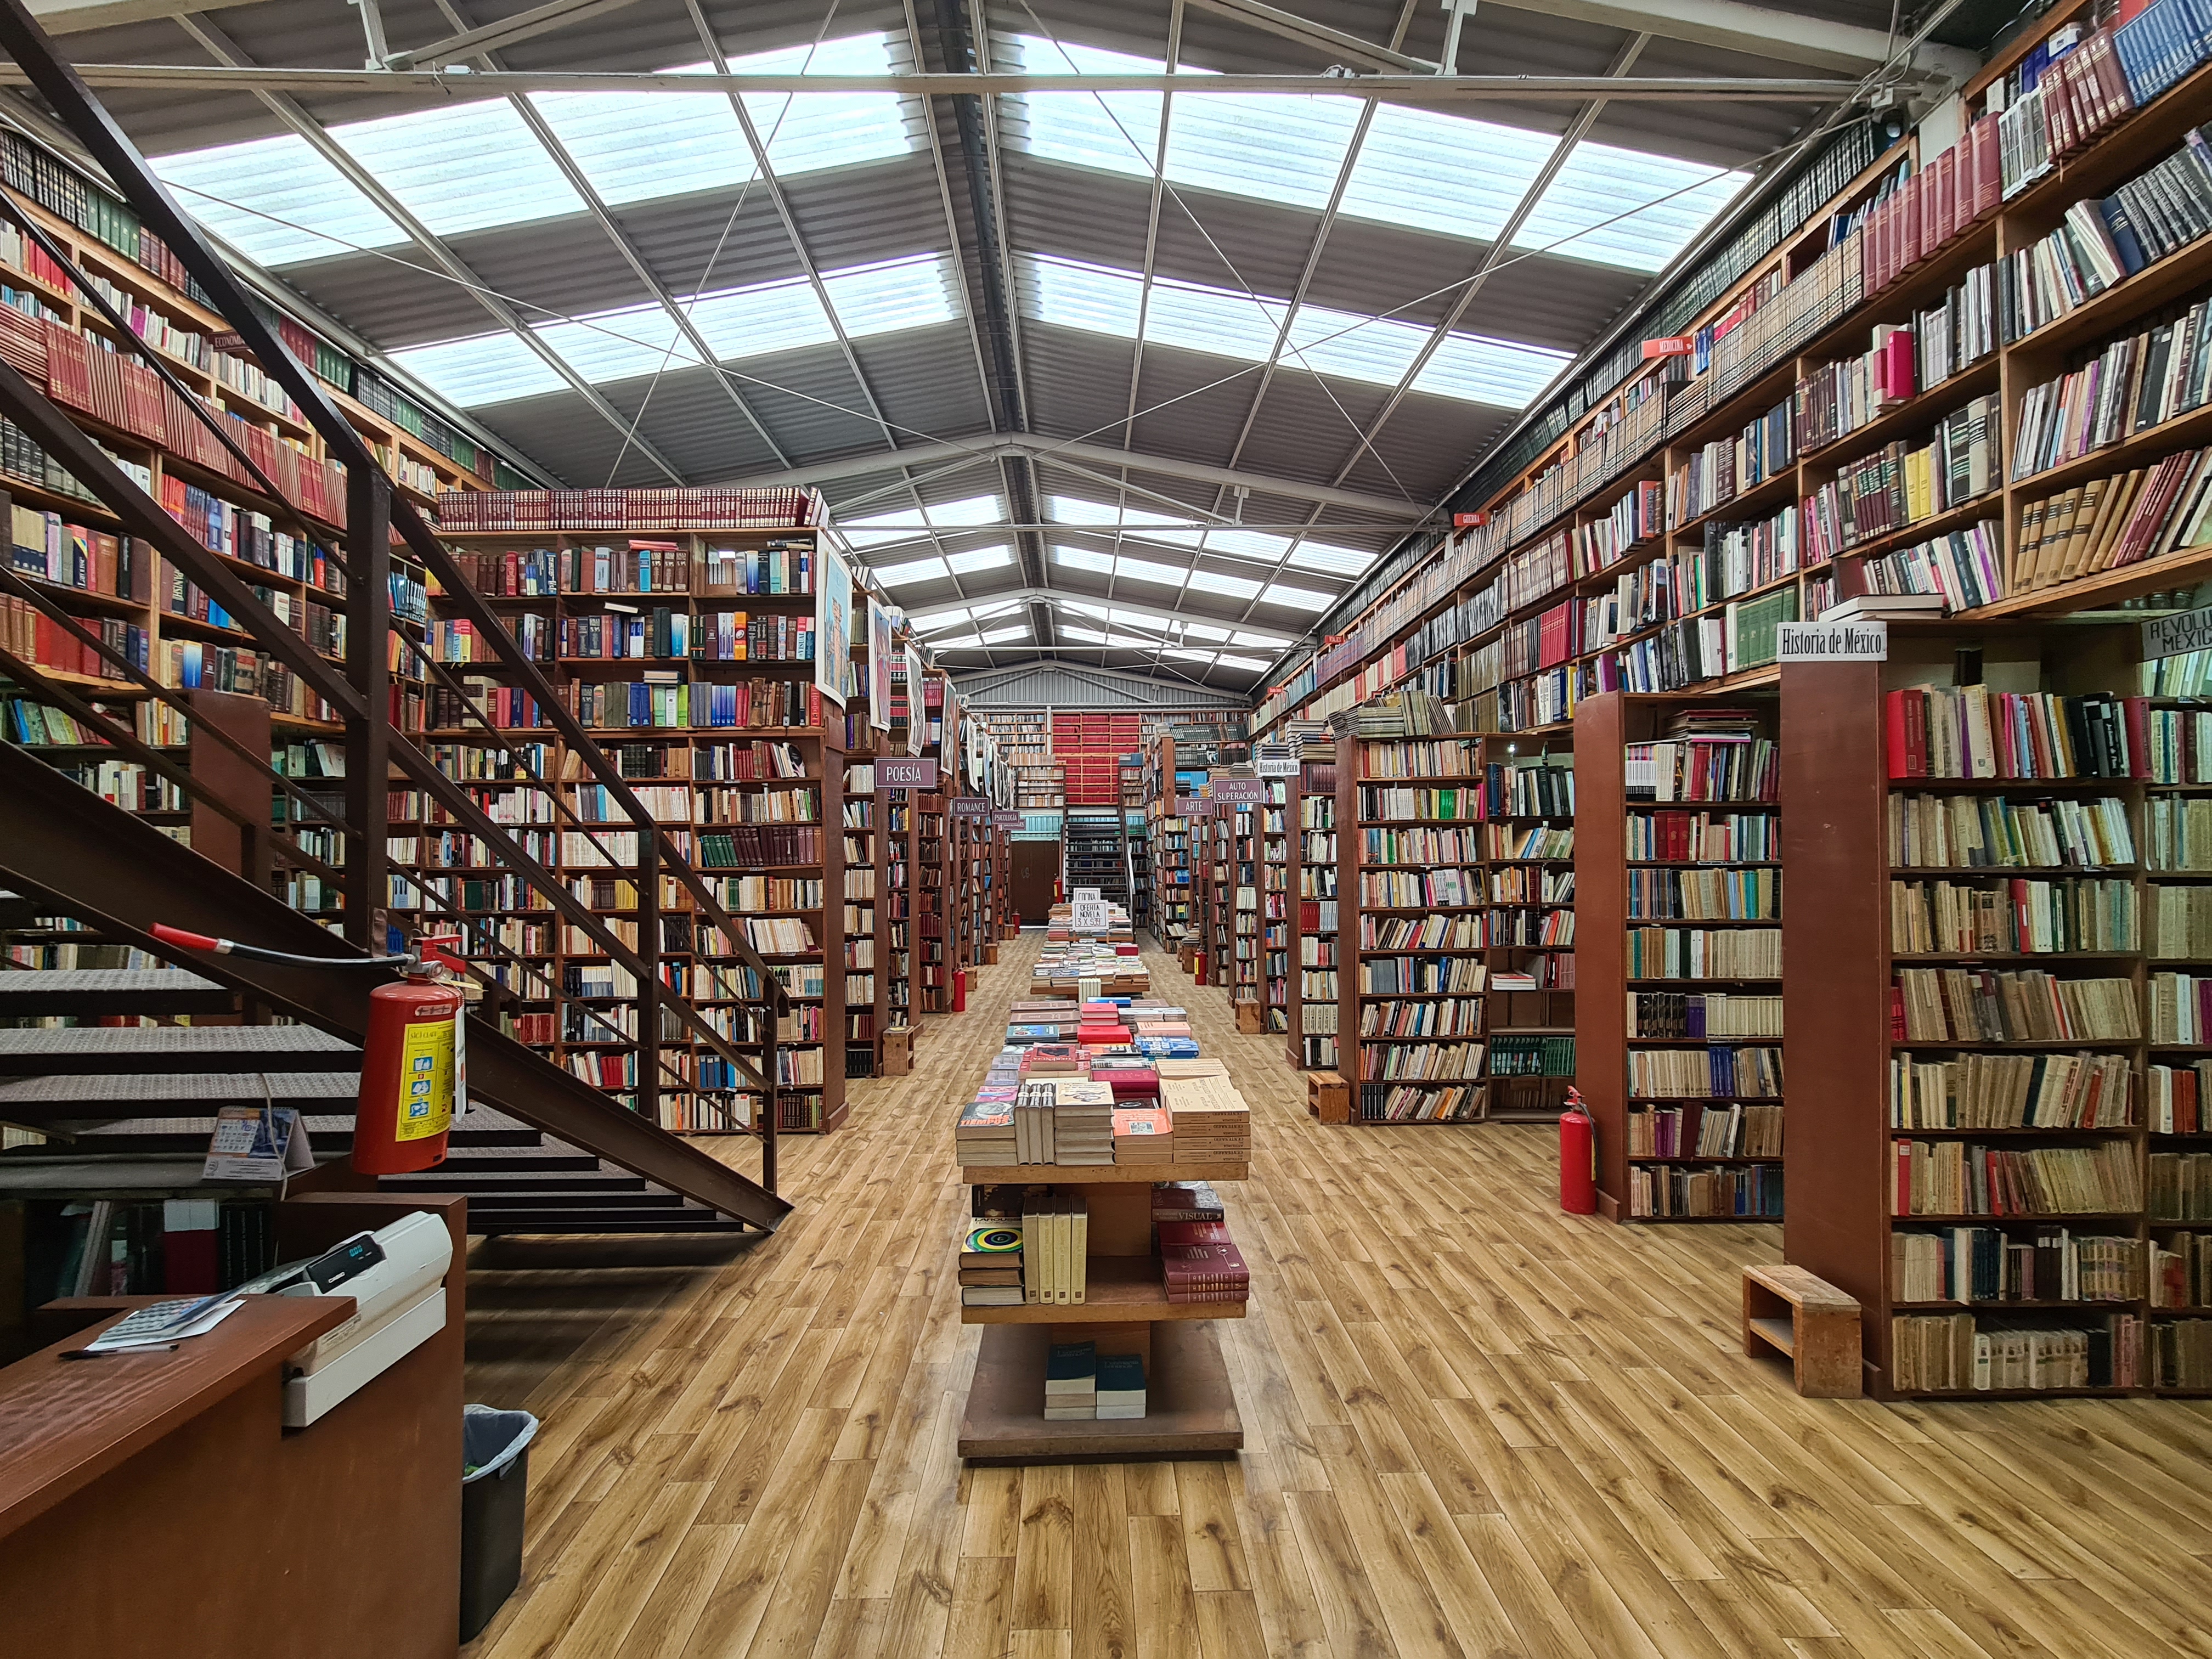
(426, 1080)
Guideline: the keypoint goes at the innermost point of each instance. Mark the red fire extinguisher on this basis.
(414, 1064)
(1577, 1158)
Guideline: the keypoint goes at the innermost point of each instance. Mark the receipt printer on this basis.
(395, 1276)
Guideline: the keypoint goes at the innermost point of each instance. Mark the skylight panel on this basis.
(905, 575)
(1101, 300)
(1496, 372)
(638, 146)
(1143, 570)
(898, 293)
(487, 368)
(998, 634)
(1214, 581)
(1207, 631)
(1083, 558)
(1298, 598)
(1277, 149)
(1184, 654)
(1600, 182)
(461, 167)
(878, 528)
(1329, 559)
(1228, 662)
(980, 558)
(1422, 169)
(284, 178)
(1244, 637)
(1084, 635)
(1446, 173)
(634, 341)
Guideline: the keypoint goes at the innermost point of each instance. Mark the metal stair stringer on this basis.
(61, 843)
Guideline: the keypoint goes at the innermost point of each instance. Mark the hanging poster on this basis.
(833, 625)
(917, 711)
(880, 665)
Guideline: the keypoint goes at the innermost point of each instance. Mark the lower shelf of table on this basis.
(1190, 1409)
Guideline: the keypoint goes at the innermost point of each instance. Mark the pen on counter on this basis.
(102, 1353)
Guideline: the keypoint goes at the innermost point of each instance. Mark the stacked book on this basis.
(1082, 1119)
(991, 1264)
(985, 1134)
(1199, 1262)
(1056, 1248)
(1144, 1134)
(1082, 1385)
(1212, 1125)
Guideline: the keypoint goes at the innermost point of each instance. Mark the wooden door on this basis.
(1037, 869)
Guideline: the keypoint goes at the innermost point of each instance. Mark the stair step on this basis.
(687, 1219)
(582, 1200)
(519, 1160)
(467, 1174)
(84, 1049)
(33, 992)
(36, 1101)
(188, 1133)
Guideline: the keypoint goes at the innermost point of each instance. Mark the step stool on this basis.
(1248, 1018)
(1789, 1311)
(1328, 1096)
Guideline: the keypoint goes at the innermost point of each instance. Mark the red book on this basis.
(2135, 712)
(1193, 1233)
(1894, 716)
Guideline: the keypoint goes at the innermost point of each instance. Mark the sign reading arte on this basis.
(972, 806)
(896, 772)
(1857, 641)
(1190, 806)
(1005, 819)
(1238, 792)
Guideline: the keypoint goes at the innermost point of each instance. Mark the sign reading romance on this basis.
(972, 806)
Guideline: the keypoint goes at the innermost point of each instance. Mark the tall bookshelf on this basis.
(1413, 1003)
(866, 984)
(1679, 961)
(1170, 838)
(1275, 822)
(1219, 893)
(1135, 830)
(1875, 1187)
(1313, 986)
(700, 686)
(1529, 874)
(1799, 397)
(1246, 974)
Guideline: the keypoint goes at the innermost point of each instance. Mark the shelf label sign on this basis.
(1089, 914)
(972, 806)
(1007, 820)
(2177, 631)
(1277, 760)
(1238, 792)
(1814, 641)
(898, 773)
(1084, 896)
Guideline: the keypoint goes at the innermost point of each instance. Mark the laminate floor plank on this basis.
(1475, 1426)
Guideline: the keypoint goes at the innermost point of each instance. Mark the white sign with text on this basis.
(1853, 641)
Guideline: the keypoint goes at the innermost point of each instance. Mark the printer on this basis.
(396, 1276)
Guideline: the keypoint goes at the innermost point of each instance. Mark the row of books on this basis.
(2018, 916)
(1963, 1004)
(1684, 837)
(2146, 512)
(2133, 385)
(1714, 1072)
(1993, 832)
(1955, 1177)
(708, 507)
(1985, 1264)
(1713, 1129)
(1949, 1353)
(1662, 1191)
(1704, 953)
(1705, 895)
(1971, 732)
(2011, 1091)
(1678, 1014)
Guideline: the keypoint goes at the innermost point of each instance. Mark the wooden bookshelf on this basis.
(1529, 874)
(704, 780)
(1394, 854)
(1848, 1031)
(1805, 306)
(1616, 896)
(1311, 869)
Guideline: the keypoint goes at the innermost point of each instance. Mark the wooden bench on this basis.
(1250, 1019)
(1328, 1096)
(1789, 1311)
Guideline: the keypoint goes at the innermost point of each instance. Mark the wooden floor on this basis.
(1475, 1427)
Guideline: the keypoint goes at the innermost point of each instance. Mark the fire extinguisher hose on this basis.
(225, 947)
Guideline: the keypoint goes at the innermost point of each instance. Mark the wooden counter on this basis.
(154, 1506)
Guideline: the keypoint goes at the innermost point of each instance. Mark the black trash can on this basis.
(495, 1482)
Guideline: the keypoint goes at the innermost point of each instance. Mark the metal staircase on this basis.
(101, 1088)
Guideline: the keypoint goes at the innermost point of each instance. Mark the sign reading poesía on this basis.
(896, 772)
(1238, 792)
(972, 806)
(2177, 631)
(1851, 641)
(1006, 819)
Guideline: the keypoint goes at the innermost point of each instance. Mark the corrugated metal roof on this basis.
(1251, 175)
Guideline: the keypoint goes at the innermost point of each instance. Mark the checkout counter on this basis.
(156, 1504)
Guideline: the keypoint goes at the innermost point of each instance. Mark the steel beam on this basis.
(506, 31)
(1397, 513)
(440, 85)
(1332, 43)
(1777, 35)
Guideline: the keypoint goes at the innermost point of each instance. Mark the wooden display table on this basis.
(1190, 1408)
